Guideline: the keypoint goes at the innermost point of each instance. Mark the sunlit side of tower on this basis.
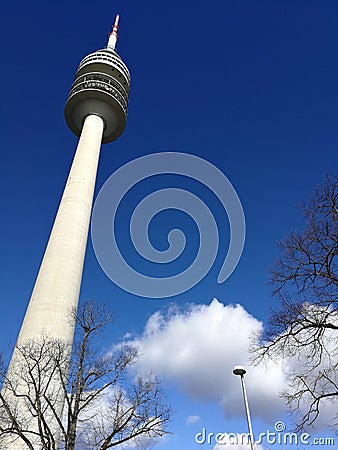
(96, 111)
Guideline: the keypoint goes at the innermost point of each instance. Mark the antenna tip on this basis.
(116, 24)
(113, 35)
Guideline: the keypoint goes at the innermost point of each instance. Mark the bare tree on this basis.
(104, 407)
(304, 326)
(29, 387)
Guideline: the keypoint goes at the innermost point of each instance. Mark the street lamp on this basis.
(240, 370)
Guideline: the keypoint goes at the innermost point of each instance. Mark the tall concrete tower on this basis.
(95, 111)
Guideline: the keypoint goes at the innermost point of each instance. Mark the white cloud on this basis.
(198, 348)
(192, 419)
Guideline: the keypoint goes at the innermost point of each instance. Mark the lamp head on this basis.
(239, 370)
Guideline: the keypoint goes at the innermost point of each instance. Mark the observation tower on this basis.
(96, 111)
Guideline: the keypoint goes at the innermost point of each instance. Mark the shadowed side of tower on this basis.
(95, 111)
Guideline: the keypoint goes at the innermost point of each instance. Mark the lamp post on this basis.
(241, 371)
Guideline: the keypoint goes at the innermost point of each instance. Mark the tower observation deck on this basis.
(96, 111)
(101, 87)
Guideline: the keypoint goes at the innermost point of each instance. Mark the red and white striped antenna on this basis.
(113, 36)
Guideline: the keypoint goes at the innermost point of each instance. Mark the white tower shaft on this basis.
(57, 286)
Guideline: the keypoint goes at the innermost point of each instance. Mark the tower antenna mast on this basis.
(113, 36)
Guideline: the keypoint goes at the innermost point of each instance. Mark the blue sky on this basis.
(249, 86)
